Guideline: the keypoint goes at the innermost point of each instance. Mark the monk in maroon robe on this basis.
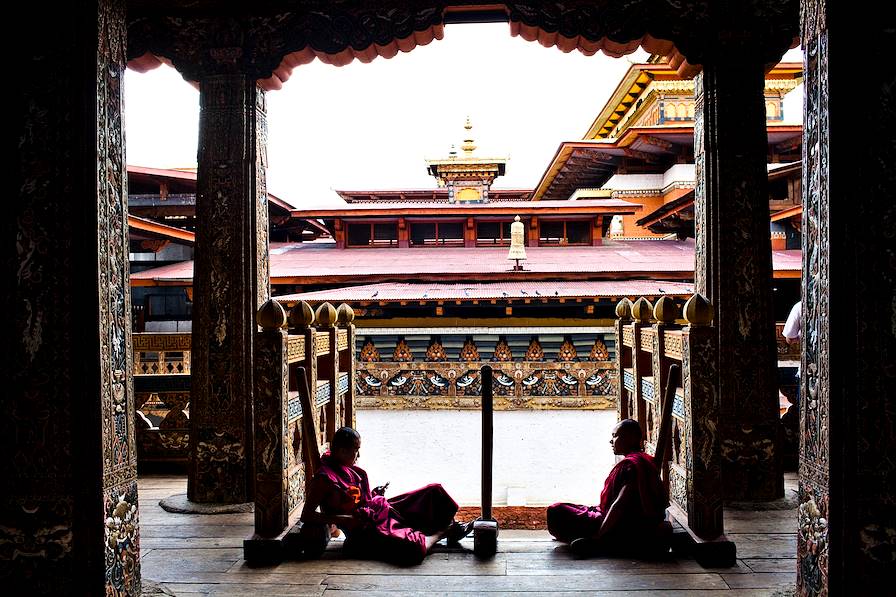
(630, 519)
(402, 529)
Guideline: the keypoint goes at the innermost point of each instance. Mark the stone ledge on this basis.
(179, 504)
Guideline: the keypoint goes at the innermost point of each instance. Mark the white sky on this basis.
(370, 126)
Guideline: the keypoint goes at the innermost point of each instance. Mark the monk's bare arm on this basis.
(616, 510)
(313, 500)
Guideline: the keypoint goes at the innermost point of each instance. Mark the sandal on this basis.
(458, 531)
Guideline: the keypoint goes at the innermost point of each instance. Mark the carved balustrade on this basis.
(649, 339)
(316, 346)
(162, 397)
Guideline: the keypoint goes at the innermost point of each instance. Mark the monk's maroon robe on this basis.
(393, 529)
(641, 521)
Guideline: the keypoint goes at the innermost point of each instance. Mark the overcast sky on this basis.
(371, 126)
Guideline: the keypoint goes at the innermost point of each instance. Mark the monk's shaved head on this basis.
(345, 437)
(630, 428)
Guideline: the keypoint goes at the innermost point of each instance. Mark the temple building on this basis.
(427, 270)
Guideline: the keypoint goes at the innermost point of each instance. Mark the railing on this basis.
(457, 385)
(289, 347)
(162, 397)
(650, 339)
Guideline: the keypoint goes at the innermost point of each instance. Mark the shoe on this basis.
(458, 531)
(582, 547)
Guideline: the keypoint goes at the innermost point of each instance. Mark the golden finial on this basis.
(624, 309)
(468, 145)
(326, 315)
(665, 310)
(698, 311)
(642, 310)
(301, 315)
(270, 316)
(345, 314)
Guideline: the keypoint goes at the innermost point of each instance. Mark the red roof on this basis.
(509, 208)
(495, 290)
(323, 263)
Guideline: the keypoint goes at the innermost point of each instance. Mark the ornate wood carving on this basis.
(469, 352)
(69, 519)
(402, 352)
(534, 352)
(599, 351)
(369, 353)
(321, 343)
(436, 352)
(231, 221)
(847, 523)
(518, 385)
(502, 352)
(733, 268)
(295, 349)
(567, 351)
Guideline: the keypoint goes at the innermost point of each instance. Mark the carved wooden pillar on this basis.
(847, 522)
(623, 358)
(231, 281)
(68, 509)
(734, 271)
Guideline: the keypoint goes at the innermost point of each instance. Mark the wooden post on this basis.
(271, 452)
(231, 281)
(345, 315)
(623, 358)
(734, 267)
(485, 530)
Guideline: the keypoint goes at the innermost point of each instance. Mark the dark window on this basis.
(551, 233)
(426, 234)
(578, 233)
(575, 232)
(493, 233)
(379, 235)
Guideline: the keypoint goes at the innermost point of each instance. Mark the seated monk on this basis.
(401, 530)
(630, 519)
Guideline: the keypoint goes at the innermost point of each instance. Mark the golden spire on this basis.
(468, 145)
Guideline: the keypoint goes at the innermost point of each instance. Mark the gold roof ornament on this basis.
(698, 311)
(326, 315)
(665, 310)
(270, 316)
(517, 250)
(468, 145)
(624, 309)
(301, 315)
(642, 310)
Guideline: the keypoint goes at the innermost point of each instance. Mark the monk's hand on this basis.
(380, 489)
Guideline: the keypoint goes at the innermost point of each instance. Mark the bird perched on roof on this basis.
(503, 293)
(374, 294)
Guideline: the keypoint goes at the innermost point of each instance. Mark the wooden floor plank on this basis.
(646, 593)
(487, 584)
(434, 565)
(225, 578)
(186, 531)
(772, 564)
(764, 545)
(541, 564)
(242, 590)
(763, 580)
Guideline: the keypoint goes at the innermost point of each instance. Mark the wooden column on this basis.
(404, 240)
(533, 231)
(847, 521)
(734, 270)
(231, 281)
(470, 233)
(597, 231)
(68, 508)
